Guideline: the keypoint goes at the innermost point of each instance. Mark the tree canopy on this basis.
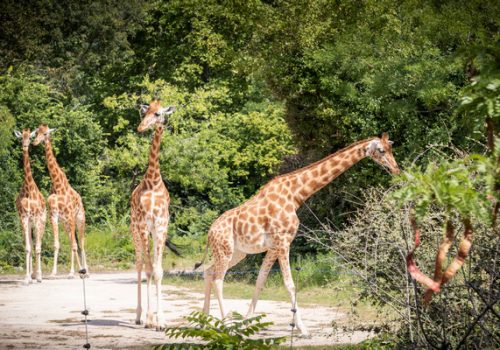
(261, 87)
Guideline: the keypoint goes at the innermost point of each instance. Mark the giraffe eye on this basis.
(381, 150)
(157, 114)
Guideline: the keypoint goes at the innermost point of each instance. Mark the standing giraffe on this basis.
(149, 216)
(268, 222)
(30, 205)
(65, 204)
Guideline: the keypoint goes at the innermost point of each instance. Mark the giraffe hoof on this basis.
(37, 276)
(138, 322)
(27, 281)
(71, 275)
(149, 321)
(160, 324)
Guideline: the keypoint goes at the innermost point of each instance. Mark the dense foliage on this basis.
(336, 71)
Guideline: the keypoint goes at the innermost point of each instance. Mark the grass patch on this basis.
(109, 247)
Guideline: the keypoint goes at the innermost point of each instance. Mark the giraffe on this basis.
(64, 204)
(31, 208)
(268, 222)
(149, 215)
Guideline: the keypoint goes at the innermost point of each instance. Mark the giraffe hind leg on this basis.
(267, 264)
(209, 277)
(218, 271)
(70, 228)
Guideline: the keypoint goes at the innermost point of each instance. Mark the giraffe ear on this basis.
(167, 110)
(18, 134)
(50, 131)
(390, 142)
(144, 108)
(33, 134)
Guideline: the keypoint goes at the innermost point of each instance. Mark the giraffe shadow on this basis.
(121, 281)
(101, 323)
(11, 282)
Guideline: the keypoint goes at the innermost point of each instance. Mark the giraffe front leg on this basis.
(54, 220)
(80, 226)
(39, 228)
(149, 270)
(30, 236)
(267, 264)
(138, 268)
(138, 310)
(158, 245)
(290, 287)
(25, 225)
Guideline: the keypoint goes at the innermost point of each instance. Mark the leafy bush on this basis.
(232, 332)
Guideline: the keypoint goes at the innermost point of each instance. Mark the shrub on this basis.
(374, 246)
(229, 333)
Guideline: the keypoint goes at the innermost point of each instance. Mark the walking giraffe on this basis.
(31, 208)
(149, 216)
(65, 204)
(268, 222)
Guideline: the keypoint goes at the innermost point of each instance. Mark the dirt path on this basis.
(47, 315)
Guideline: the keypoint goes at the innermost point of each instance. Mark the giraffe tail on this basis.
(174, 248)
(198, 264)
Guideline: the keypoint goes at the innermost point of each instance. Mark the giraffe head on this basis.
(154, 115)
(42, 134)
(380, 150)
(25, 136)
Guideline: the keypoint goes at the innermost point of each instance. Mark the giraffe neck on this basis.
(153, 172)
(28, 176)
(58, 177)
(314, 177)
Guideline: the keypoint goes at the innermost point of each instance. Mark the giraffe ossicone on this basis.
(268, 222)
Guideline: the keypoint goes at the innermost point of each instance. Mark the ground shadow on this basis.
(101, 323)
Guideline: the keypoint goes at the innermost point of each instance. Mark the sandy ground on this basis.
(48, 315)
